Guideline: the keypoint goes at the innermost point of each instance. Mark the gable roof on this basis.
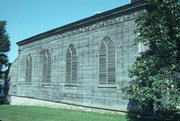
(123, 10)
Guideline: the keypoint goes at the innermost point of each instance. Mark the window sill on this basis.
(27, 84)
(45, 85)
(107, 86)
(71, 85)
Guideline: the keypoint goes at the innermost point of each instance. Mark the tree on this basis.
(4, 46)
(154, 75)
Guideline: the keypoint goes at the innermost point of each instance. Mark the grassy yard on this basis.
(25, 113)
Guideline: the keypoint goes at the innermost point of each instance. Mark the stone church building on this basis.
(84, 63)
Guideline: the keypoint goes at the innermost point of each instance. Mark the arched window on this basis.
(71, 65)
(107, 63)
(46, 69)
(28, 72)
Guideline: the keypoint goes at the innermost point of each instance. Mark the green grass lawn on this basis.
(29, 113)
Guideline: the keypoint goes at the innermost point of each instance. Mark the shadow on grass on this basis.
(143, 118)
(146, 114)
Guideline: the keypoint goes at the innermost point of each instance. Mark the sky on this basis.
(27, 18)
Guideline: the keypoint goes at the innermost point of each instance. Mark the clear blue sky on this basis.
(26, 18)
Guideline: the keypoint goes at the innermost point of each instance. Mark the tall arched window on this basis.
(28, 75)
(46, 69)
(107, 63)
(71, 65)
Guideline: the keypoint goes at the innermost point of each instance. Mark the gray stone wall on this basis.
(13, 76)
(87, 40)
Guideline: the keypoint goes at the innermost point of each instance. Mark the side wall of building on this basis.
(87, 41)
(13, 75)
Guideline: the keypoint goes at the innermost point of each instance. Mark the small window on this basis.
(71, 65)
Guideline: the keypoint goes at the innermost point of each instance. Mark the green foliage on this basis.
(4, 38)
(155, 80)
(4, 46)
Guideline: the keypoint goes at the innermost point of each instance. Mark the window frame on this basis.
(28, 70)
(72, 82)
(106, 41)
(46, 68)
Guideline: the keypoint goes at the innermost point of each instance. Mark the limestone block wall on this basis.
(13, 76)
(87, 40)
